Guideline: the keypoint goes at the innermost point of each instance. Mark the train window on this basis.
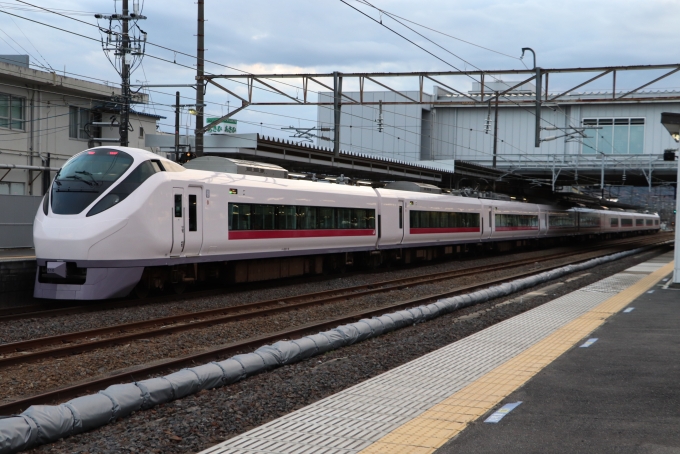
(489, 219)
(656, 222)
(650, 222)
(290, 217)
(325, 218)
(286, 218)
(178, 205)
(562, 220)
(401, 217)
(126, 187)
(438, 220)
(516, 221)
(614, 222)
(626, 222)
(193, 219)
(589, 220)
(639, 222)
(306, 218)
(85, 177)
(344, 218)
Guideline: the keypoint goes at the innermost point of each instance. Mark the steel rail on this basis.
(201, 319)
(142, 371)
(44, 310)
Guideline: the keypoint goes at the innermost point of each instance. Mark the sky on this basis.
(321, 36)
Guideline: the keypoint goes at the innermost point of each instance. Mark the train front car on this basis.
(99, 194)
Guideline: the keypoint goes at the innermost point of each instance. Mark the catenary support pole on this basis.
(602, 176)
(539, 77)
(125, 76)
(495, 132)
(337, 106)
(176, 125)
(200, 83)
(676, 272)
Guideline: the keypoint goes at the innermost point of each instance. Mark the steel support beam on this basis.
(337, 106)
(539, 76)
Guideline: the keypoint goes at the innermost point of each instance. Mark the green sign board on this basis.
(228, 126)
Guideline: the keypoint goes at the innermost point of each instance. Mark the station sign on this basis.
(227, 126)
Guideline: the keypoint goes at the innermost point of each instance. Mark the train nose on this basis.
(70, 239)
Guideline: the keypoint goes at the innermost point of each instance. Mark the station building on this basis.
(625, 151)
(45, 118)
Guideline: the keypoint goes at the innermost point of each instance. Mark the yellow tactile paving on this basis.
(457, 411)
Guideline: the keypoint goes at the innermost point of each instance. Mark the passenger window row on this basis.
(516, 220)
(250, 216)
(562, 220)
(589, 220)
(438, 219)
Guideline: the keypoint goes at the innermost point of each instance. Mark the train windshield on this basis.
(86, 177)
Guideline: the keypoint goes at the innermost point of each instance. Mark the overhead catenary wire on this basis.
(437, 31)
(179, 64)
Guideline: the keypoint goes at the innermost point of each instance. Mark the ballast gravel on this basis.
(50, 373)
(30, 328)
(209, 417)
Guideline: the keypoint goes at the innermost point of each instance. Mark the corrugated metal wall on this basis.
(16, 220)
(458, 132)
(401, 136)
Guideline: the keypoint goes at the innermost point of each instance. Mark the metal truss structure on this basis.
(278, 84)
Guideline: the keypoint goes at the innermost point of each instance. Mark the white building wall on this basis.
(459, 132)
(47, 101)
(401, 136)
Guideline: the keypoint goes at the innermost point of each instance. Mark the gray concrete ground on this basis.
(621, 394)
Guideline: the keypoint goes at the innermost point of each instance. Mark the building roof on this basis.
(19, 75)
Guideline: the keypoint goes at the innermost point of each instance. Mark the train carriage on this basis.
(118, 218)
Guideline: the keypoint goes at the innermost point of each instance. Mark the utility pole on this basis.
(125, 76)
(127, 55)
(337, 105)
(495, 132)
(200, 83)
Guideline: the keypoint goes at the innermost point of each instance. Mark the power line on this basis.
(179, 64)
(436, 31)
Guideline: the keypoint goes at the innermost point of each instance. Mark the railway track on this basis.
(44, 310)
(63, 344)
(144, 370)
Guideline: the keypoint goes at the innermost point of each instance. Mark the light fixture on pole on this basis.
(671, 121)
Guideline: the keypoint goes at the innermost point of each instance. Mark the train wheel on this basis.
(179, 287)
(142, 288)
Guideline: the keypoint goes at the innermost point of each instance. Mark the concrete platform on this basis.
(19, 254)
(621, 394)
(437, 403)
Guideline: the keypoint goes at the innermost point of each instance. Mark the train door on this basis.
(177, 222)
(485, 220)
(402, 220)
(193, 221)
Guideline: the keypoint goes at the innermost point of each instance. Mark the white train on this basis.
(118, 219)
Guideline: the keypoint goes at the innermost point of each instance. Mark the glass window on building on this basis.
(12, 112)
(614, 136)
(7, 188)
(77, 121)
